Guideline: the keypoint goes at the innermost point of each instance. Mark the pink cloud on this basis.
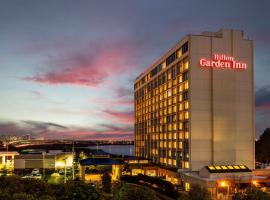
(120, 117)
(76, 76)
(89, 66)
(263, 107)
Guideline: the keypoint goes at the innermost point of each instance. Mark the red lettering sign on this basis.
(222, 61)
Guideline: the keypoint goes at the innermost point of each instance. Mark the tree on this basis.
(197, 192)
(23, 196)
(135, 192)
(263, 147)
(251, 194)
(106, 182)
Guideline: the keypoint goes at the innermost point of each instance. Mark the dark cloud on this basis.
(50, 130)
(262, 97)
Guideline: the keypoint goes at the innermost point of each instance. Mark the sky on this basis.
(67, 67)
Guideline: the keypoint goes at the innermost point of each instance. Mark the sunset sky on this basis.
(67, 67)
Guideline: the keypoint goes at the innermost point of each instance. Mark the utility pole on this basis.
(65, 176)
(43, 159)
(73, 161)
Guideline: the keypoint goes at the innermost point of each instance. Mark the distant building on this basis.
(40, 161)
(7, 159)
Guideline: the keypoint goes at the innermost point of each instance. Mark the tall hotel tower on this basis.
(194, 106)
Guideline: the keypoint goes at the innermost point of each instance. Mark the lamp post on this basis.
(65, 172)
(43, 163)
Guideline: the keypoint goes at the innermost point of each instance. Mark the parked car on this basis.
(28, 176)
(37, 176)
(35, 171)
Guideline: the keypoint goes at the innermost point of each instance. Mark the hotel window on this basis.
(180, 145)
(171, 58)
(186, 115)
(174, 127)
(180, 97)
(185, 48)
(180, 116)
(181, 135)
(186, 64)
(174, 109)
(180, 79)
(179, 53)
(186, 105)
(185, 95)
(174, 90)
(186, 165)
(186, 135)
(174, 100)
(169, 93)
(180, 125)
(185, 76)
(169, 101)
(174, 162)
(181, 88)
(186, 85)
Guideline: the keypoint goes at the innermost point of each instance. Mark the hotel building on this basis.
(194, 106)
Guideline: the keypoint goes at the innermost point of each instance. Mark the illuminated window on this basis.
(174, 127)
(169, 93)
(180, 125)
(230, 167)
(186, 165)
(186, 105)
(181, 116)
(180, 97)
(236, 167)
(187, 186)
(180, 88)
(186, 135)
(180, 145)
(181, 135)
(224, 167)
(186, 115)
(174, 109)
(218, 167)
(174, 145)
(186, 64)
(174, 162)
(180, 79)
(170, 127)
(179, 53)
(169, 101)
(186, 85)
(174, 90)
(174, 99)
(211, 167)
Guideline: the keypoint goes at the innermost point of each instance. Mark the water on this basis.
(126, 150)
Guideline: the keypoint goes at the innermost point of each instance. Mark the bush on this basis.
(154, 183)
(135, 192)
(197, 192)
(16, 188)
(250, 194)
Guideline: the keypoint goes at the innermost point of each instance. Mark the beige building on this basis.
(194, 107)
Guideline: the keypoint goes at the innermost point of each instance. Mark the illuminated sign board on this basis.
(222, 61)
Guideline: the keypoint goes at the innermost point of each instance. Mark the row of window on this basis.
(170, 59)
(169, 77)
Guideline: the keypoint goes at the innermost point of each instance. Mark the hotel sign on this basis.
(222, 61)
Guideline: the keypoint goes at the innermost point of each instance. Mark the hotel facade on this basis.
(194, 107)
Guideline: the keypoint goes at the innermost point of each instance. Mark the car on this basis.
(28, 176)
(37, 176)
(35, 171)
